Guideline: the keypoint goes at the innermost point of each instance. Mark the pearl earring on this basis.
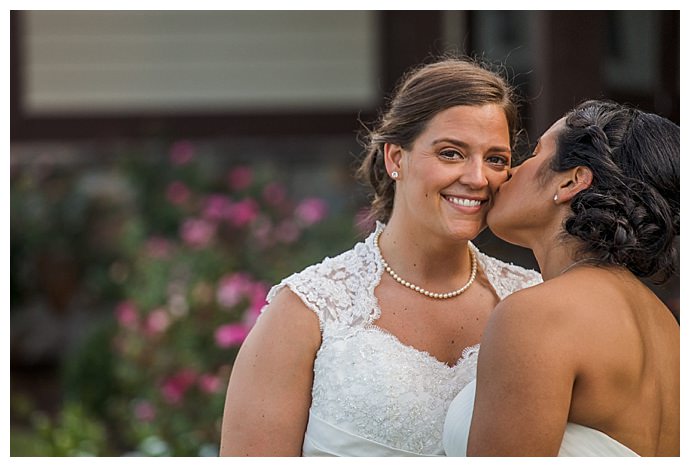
(394, 174)
(555, 198)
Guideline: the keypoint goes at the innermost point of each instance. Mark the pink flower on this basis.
(231, 335)
(174, 388)
(209, 383)
(232, 288)
(274, 193)
(197, 233)
(311, 210)
(126, 314)
(181, 152)
(243, 212)
(144, 411)
(177, 193)
(157, 321)
(216, 207)
(240, 177)
(286, 232)
(158, 247)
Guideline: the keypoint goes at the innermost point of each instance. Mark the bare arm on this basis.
(269, 393)
(525, 377)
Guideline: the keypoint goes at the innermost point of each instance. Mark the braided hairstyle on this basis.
(630, 215)
(422, 93)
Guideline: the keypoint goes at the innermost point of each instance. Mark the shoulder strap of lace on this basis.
(339, 289)
(506, 278)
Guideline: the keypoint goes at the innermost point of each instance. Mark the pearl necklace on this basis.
(422, 291)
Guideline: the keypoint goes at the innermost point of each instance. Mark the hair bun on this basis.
(628, 231)
(630, 215)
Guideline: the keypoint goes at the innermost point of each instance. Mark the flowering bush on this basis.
(199, 258)
(182, 248)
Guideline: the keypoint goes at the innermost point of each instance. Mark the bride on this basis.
(361, 354)
(587, 363)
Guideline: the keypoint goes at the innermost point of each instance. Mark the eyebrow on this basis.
(462, 144)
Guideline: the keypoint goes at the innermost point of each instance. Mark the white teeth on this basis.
(470, 203)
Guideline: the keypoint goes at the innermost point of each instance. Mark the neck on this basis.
(556, 256)
(425, 257)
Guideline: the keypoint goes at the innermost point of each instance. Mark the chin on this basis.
(466, 230)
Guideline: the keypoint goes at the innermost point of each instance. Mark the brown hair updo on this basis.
(422, 93)
(630, 215)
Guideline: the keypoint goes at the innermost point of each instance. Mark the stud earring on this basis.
(555, 198)
(394, 174)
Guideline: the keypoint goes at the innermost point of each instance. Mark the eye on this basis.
(451, 154)
(498, 161)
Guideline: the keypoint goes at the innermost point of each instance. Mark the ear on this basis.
(392, 156)
(573, 181)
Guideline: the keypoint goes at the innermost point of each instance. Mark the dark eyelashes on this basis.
(452, 154)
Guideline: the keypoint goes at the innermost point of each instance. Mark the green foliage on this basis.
(74, 433)
(88, 377)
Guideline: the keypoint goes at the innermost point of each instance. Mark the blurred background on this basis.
(169, 167)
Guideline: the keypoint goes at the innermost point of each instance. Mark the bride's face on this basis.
(524, 204)
(449, 175)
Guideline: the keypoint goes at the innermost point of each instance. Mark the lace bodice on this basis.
(367, 384)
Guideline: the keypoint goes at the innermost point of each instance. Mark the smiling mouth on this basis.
(468, 203)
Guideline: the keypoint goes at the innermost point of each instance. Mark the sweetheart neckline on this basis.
(464, 355)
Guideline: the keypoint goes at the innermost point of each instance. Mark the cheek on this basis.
(496, 179)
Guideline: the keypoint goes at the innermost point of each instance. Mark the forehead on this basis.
(489, 114)
(473, 125)
(549, 138)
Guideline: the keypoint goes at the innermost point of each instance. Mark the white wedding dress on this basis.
(578, 440)
(373, 395)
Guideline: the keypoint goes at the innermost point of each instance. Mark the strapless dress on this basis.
(578, 440)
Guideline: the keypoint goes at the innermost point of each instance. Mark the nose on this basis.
(474, 174)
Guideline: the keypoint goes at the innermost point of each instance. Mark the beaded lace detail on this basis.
(366, 381)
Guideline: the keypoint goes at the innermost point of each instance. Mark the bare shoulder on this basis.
(557, 301)
(574, 314)
(289, 317)
(539, 305)
(269, 392)
(285, 337)
(536, 319)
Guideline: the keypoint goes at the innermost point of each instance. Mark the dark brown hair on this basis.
(422, 93)
(630, 215)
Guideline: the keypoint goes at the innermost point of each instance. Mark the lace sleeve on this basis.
(339, 289)
(505, 277)
(309, 285)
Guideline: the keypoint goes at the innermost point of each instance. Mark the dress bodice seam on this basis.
(426, 355)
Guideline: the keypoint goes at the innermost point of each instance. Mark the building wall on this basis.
(105, 62)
